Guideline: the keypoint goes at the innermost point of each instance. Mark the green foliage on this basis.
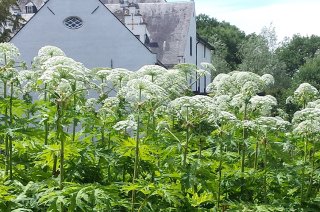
(151, 150)
(6, 18)
(223, 36)
(295, 52)
(309, 72)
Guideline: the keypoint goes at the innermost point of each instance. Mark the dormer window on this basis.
(31, 8)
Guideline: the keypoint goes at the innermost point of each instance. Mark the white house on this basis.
(114, 33)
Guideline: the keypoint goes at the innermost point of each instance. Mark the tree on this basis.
(225, 33)
(7, 18)
(309, 72)
(296, 51)
(258, 55)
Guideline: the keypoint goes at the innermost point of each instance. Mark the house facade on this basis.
(114, 33)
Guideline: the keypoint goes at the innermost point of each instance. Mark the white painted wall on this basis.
(102, 37)
(203, 55)
(193, 34)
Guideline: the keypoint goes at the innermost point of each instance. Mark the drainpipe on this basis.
(197, 84)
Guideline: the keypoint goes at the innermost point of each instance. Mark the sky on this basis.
(288, 17)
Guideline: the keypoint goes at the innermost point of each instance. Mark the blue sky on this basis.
(287, 16)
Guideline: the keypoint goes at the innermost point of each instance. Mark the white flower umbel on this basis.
(46, 53)
(314, 104)
(27, 79)
(119, 77)
(8, 52)
(305, 93)
(109, 107)
(151, 71)
(196, 108)
(221, 85)
(173, 82)
(266, 124)
(262, 105)
(64, 89)
(64, 67)
(222, 102)
(140, 91)
(306, 114)
(307, 127)
(267, 79)
(233, 83)
(129, 124)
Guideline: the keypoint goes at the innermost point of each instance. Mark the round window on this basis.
(73, 22)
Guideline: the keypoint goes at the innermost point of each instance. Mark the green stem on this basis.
(109, 148)
(10, 124)
(187, 140)
(256, 156)
(200, 144)
(136, 159)
(265, 169)
(244, 136)
(219, 179)
(74, 110)
(303, 170)
(6, 125)
(46, 125)
(313, 169)
(60, 138)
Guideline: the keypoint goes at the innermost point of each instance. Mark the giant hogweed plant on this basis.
(74, 139)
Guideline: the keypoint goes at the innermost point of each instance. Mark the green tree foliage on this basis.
(222, 32)
(296, 51)
(6, 18)
(258, 54)
(309, 72)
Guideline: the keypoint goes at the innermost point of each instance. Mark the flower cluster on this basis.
(139, 91)
(8, 52)
(262, 104)
(305, 93)
(307, 121)
(46, 53)
(246, 83)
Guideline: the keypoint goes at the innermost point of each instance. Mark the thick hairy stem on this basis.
(60, 137)
(305, 150)
(313, 169)
(244, 136)
(187, 141)
(265, 169)
(109, 148)
(136, 159)
(74, 110)
(256, 156)
(303, 170)
(6, 125)
(10, 124)
(200, 144)
(54, 167)
(46, 125)
(219, 179)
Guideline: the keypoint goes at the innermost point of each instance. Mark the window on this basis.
(29, 9)
(190, 46)
(73, 22)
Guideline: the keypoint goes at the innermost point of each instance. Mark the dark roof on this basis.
(204, 42)
(136, 1)
(37, 3)
(168, 25)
